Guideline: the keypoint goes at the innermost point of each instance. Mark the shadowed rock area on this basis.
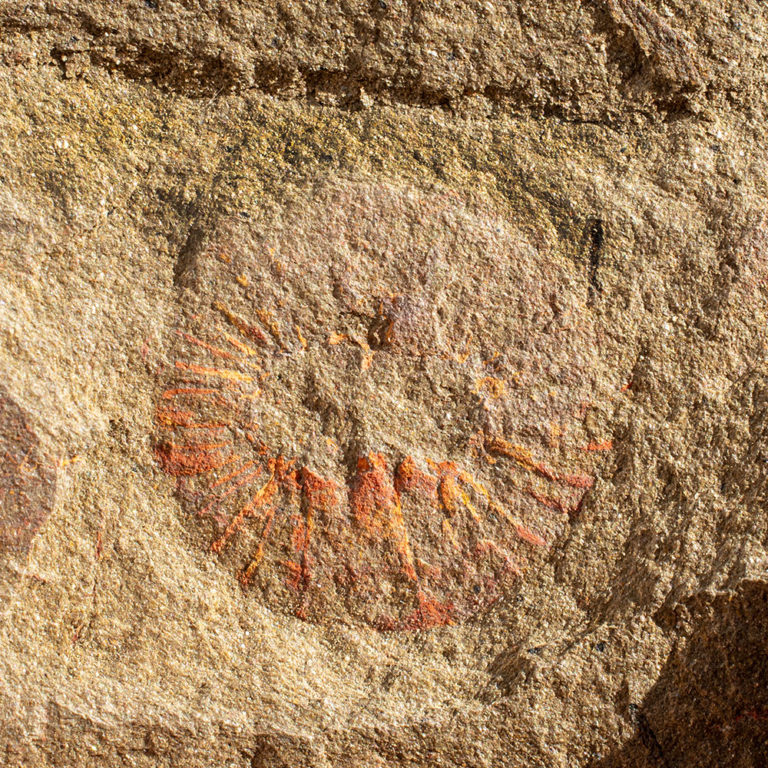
(709, 705)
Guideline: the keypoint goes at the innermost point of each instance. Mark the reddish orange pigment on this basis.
(530, 536)
(249, 331)
(551, 502)
(410, 478)
(404, 547)
(288, 417)
(173, 418)
(194, 459)
(377, 510)
(215, 351)
(429, 613)
(605, 445)
(500, 446)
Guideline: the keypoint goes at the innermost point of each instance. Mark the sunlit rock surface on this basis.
(383, 383)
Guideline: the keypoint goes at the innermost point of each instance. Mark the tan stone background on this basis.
(128, 125)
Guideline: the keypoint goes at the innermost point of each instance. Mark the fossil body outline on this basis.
(399, 540)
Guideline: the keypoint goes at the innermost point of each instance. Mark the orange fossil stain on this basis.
(354, 537)
(251, 332)
(300, 337)
(410, 478)
(328, 530)
(500, 446)
(377, 510)
(215, 351)
(421, 543)
(220, 373)
(492, 386)
(604, 445)
(190, 460)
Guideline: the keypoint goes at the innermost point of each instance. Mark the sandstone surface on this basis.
(383, 383)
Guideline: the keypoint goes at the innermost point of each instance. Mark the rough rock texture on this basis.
(27, 486)
(383, 383)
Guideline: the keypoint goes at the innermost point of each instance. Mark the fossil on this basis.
(377, 411)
